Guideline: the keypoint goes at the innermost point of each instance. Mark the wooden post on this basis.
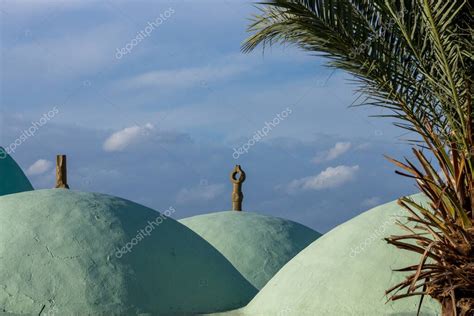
(237, 195)
(61, 172)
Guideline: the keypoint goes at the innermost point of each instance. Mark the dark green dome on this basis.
(13, 180)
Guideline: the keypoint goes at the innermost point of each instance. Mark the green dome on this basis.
(345, 272)
(13, 180)
(257, 245)
(67, 252)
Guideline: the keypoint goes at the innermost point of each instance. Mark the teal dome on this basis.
(13, 180)
(257, 245)
(76, 253)
(345, 272)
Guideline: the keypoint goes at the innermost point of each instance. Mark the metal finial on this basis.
(61, 172)
(237, 196)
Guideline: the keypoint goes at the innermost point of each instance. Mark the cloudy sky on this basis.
(154, 102)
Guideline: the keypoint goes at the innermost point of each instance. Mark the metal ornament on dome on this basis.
(237, 195)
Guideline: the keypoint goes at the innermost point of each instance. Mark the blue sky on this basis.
(159, 124)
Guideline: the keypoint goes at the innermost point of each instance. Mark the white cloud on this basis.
(200, 193)
(372, 201)
(339, 149)
(118, 141)
(331, 177)
(39, 167)
(184, 77)
(363, 146)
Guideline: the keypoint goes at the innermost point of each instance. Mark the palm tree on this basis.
(415, 59)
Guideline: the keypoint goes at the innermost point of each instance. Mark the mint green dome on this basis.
(12, 178)
(345, 272)
(65, 252)
(257, 245)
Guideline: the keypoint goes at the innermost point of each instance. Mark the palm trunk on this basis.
(447, 308)
(461, 307)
